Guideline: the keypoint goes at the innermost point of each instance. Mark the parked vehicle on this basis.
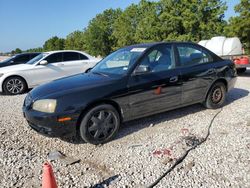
(43, 68)
(133, 82)
(228, 48)
(18, 59)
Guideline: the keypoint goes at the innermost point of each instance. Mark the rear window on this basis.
(191, 55)
(71, 56)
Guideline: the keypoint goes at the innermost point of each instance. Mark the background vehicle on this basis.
(133, 82)
(43, 68)
(18, 59)
(228, 48)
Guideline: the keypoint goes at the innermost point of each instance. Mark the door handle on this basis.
(173, 79)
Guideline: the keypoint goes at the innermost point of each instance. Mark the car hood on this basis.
(70, 84)
(14, 68)
(4, 64)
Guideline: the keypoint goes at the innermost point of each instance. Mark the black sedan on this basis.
(18, 59)
(132, 82)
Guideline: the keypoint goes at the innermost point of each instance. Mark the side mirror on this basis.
(43, 62)
(141, 69)
(11, 62)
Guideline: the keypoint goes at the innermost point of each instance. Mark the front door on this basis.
(159, 89)
(45, 73)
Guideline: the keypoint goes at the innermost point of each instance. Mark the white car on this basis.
(43, 68)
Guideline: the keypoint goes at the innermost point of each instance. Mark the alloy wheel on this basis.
(14, 86)
(101, 124)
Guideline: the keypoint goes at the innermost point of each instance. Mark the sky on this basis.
(29, 23)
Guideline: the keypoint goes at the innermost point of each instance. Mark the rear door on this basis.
(160, 88)
(74, 63)
(197, 72)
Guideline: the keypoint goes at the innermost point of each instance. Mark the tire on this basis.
(216, 96)
(100, 124)
(14, 85)
(241, 70)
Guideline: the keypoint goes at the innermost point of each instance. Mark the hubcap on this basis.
(14, 86)
(217, 95)
(101, 124)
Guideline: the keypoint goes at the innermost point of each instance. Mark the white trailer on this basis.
(228, 48)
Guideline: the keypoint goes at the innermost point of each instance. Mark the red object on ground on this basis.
(48, 179)
(166, 152)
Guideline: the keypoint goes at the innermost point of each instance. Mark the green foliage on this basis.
(75, 41)
(98, 35)
(17, 51)
(191, 20)
(54, 43)
(240, 25)
(39, 49)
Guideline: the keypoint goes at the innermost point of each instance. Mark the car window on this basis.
(33, 55)
(159, 59)
(70, 56)
(191, 55)
(22, 58)
(83, 57)
(53, 58)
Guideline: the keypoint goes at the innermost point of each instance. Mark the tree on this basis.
(17, 51)
(54, 43)
(39, 49)
(125, 26)
(75, 41)
(240, 25)
(98, 35)
(191, 20)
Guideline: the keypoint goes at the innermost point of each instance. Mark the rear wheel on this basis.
(100, 124)
(216, 96)
(14, 85)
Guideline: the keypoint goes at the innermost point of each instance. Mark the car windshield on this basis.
(119, 62)
(37, 58)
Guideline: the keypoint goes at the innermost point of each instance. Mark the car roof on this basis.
(56, 51)
(147, 45)
(26, 53)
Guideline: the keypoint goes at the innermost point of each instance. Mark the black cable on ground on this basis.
(179, 160)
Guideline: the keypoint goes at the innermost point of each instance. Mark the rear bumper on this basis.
(48, 125)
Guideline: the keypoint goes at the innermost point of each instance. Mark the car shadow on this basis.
(139, 124)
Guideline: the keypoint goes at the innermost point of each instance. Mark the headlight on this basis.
(45, 105)
(1, 74)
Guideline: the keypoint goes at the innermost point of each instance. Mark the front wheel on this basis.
(14, 86)
(100, 124)
(216, 96)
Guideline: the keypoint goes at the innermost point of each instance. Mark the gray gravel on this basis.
(143, 150)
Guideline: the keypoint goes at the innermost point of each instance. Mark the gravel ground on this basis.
(143, 150)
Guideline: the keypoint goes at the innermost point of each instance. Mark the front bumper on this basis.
(48, 125)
